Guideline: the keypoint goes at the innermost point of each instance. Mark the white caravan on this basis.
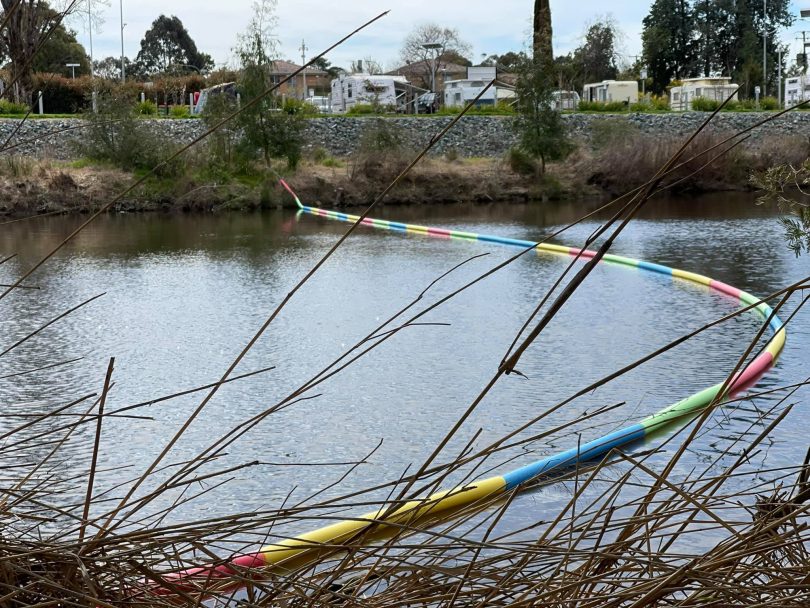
(716, 89)
(353, 89)
(797, 89)
(607, 91)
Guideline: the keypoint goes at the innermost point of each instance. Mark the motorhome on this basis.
(380, 90)
(607, 91)
(797, 89)
(716, 89)
(458, 93)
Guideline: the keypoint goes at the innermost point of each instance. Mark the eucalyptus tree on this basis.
(28, 26)
(167, 43)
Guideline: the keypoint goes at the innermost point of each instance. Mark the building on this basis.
(318, 81)
(458, 93)
(607, 91)
(797, 89)
(716, 89)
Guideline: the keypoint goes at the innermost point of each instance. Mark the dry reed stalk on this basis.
(606, 546)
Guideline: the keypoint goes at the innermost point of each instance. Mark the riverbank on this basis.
(33, 187)
(616, 156)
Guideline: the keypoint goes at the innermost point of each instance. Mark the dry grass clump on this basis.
(622, 158)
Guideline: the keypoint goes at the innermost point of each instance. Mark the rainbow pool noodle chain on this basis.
(476, 492)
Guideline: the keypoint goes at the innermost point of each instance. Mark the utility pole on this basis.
(90, 31)
(304, 50)
(123, 58)
(764, 47)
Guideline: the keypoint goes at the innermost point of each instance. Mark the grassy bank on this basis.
(617, 158)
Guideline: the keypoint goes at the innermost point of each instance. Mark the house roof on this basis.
(285, 68)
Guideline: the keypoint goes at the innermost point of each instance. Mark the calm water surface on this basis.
(184, 295)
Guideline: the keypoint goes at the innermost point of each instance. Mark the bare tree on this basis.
(367, 66)
(426, 45)
(89, 14)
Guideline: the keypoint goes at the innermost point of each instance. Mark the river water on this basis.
(183, 295)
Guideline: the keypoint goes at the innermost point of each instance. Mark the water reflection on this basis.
(184, 294)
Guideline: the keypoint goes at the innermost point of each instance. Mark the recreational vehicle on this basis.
(380, 90)
(716, 89)
(797, 89)
(611, 90)
(458, 93)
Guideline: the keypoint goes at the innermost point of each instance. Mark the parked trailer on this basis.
(797, 89)
(348, 91)
(607, 91)
(716, 89)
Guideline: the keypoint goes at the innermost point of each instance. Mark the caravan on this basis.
(716, 89)
(797, 89)
(607, 91)
(380, 90)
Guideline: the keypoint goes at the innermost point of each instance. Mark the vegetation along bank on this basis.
(75, 163)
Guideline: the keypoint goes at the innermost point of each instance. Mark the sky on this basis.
(489, 27)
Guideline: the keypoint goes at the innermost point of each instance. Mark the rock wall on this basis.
(473, 136)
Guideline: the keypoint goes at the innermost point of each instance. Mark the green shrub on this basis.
(296, 107)
(660, 102)
(8, 107)
(147, 108)
(521, 162)
(319, 154)
(732, 106)
(116, 136)
(180, 112)
(331, 162)
(748, 105)
(702, 104)
(654, 103)
(769, 104)
(359, 109)
(601, 106)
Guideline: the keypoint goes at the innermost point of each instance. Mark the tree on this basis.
(167, 46)
(508, 62)
(28, 24)
(668, 42)
(446, 41)
(543, 49)
(109, 68)
(325, 65)
(366, 66)
(595, 60)
(59, 49)
(714, 38)
(541, 131)
(265, 130)
(597, 57)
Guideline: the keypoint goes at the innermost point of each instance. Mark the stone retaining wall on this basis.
(481, 136)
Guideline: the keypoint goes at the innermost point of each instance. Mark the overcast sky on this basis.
(489, 26)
